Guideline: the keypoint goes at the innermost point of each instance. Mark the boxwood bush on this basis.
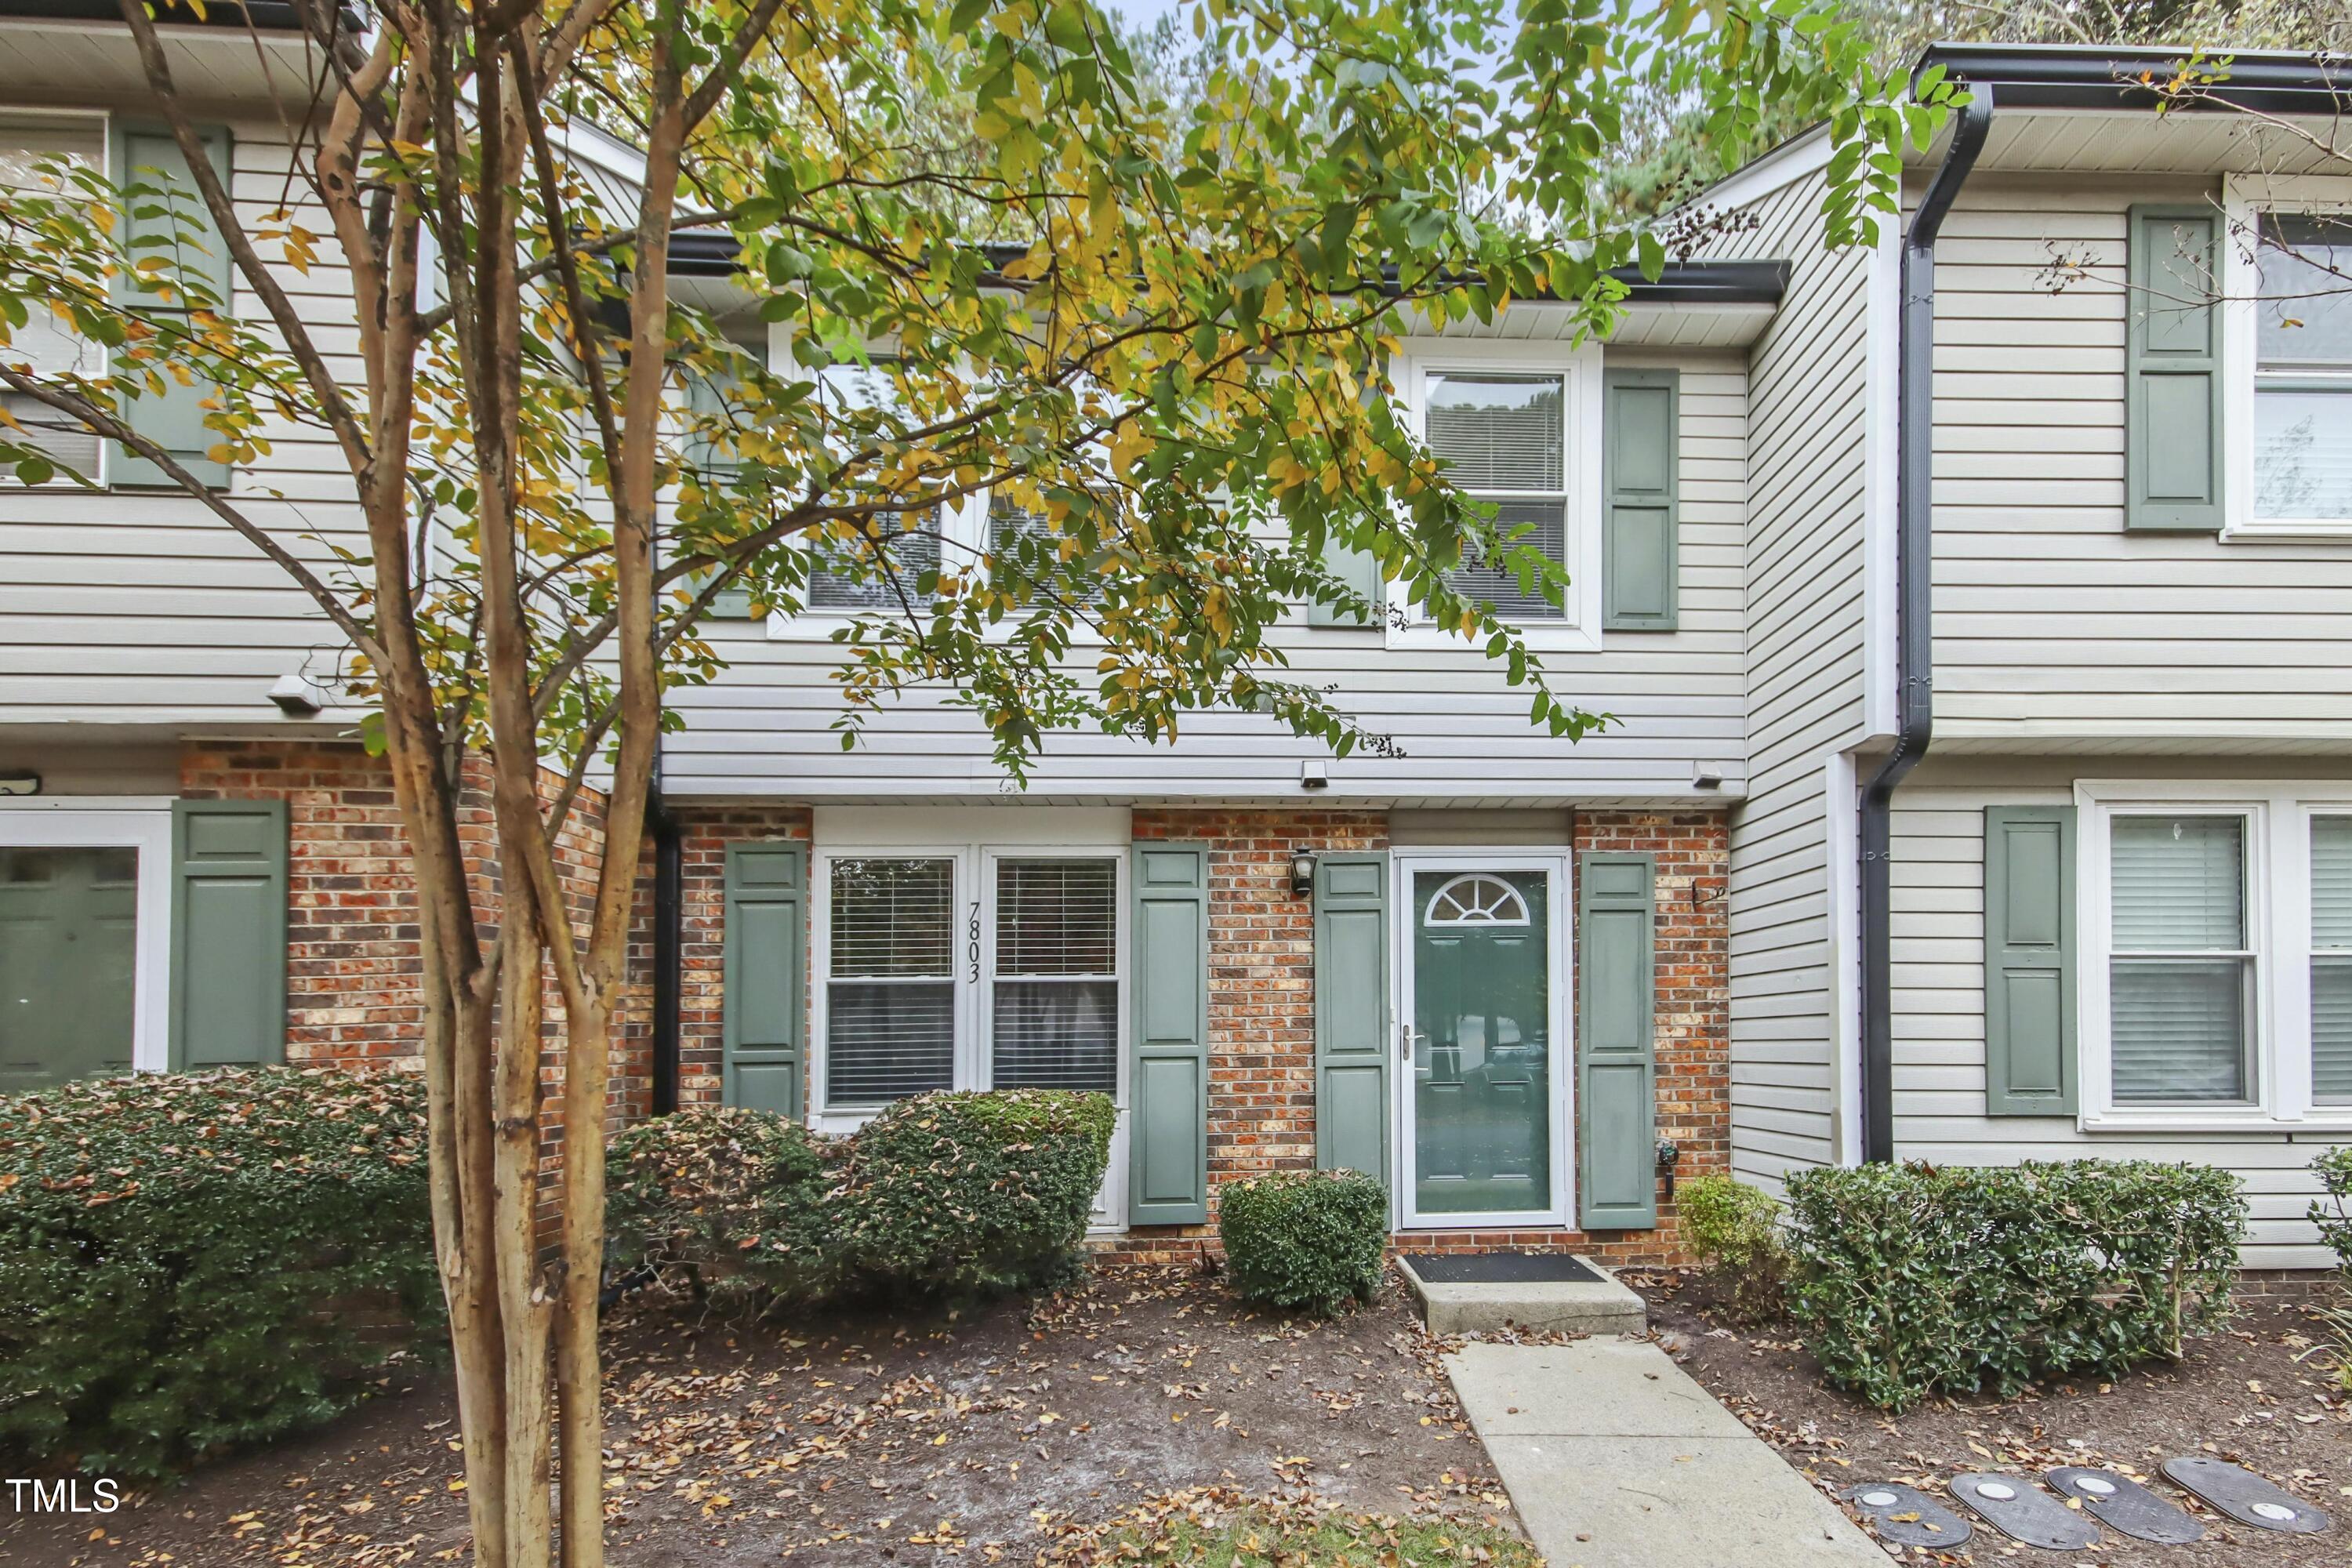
(970, 1194)
(2332, 1210)
(1913, 1280)
(955, 1195)
(190, 1262)
(1735, 1229)
(1307, 1239)
(724, 1203)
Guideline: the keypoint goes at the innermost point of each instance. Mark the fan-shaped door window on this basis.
(1476, 899)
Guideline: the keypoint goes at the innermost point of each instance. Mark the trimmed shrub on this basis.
(1734, 1229)
(1305, 1239)
(1914, 1281)
(952, 1194)
(2332, 1210)
(964, 1194)
(723, 1203)
(193, 1261)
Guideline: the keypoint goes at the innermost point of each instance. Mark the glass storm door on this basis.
(1482, 1102)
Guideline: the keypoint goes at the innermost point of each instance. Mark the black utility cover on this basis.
(2027, 1513)
(1911, 1518)
(2243, 1495)
(2125, 1505)
(1500, 1268)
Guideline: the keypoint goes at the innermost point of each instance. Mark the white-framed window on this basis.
(967, 966)
(46, 342)
(2288, 350)
(2215, 967)
(1518, 425)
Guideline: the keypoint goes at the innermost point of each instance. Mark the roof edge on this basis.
(2099, 76)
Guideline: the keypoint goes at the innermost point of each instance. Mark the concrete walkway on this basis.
(1616, 1459)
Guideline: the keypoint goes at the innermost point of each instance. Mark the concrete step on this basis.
(1596, 1306)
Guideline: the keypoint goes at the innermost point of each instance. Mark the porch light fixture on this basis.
(1302, 875)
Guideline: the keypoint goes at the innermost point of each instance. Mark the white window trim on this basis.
(890, 833)
(2278, 844)
(1579, 372)
(138, 822)
(2246, 198)
(963, 526)
(1560, 948)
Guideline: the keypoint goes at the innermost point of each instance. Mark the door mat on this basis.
(2244, 1495)
(2023, 1512)
(2121, 1503)
(1500, 1268)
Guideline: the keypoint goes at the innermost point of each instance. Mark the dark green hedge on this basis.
(953, 1195)
(725, 1202)
(1307, 1239)
(1914, 1281)
(190, 1262)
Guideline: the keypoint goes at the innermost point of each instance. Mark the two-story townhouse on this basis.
(1502, 969)
(2051, 728)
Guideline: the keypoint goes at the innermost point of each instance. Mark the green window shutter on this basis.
(228, 933)
(1360, 571)
(707, 399)
(764, 980)
(1168, 1084)
(1640, 423)
(2173, 371)
(2029, 961)
(174, 419)
(1617, 1055)
(1352, 1014)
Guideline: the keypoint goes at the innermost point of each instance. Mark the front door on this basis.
(1482, 1102)
(69, 918)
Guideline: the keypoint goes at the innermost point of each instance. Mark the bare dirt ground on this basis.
(919, 1437)
(2242, 1394)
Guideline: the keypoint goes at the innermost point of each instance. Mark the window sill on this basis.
(2289, 530)
(2337, 1120)
(1542, 636)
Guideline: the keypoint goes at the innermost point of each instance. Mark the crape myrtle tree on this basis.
(1006, 266)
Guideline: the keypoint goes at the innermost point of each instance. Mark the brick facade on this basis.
(354, 971)
(1261, 1005)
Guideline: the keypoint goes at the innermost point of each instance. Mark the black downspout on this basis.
(1914, 671)
(670, 919)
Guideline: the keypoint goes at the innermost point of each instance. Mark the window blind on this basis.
(1009, 524)
(890, 992)
(1054, 1007)
(858, 583)
(2179, 977)
(1504, 439)
(2331, 959)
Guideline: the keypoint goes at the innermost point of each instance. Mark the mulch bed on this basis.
(918, 1437)
(2252, 1394)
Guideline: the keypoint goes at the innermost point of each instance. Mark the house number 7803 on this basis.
(973, 946)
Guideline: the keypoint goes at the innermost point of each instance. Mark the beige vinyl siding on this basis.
(1938, 949)
(2051, 623)
(1804, 678)
(763, 727)
(141, 607)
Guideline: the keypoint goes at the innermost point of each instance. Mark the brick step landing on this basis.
(1469, 1293)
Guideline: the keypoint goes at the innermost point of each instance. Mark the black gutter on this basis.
(701, 253)
(262, 16)
(2100, 76)
(1914, 669)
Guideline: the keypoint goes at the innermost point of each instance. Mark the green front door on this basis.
(69, 918)
(1482, 1046)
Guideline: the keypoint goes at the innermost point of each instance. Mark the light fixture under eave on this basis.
(297, 695)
